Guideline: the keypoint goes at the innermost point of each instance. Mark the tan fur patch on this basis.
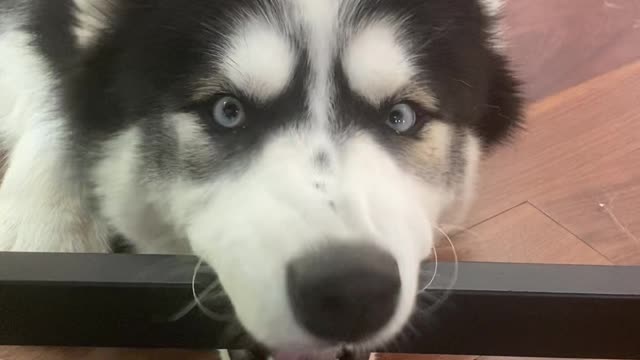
(430, 155)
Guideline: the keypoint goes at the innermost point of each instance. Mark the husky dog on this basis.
(305, 149)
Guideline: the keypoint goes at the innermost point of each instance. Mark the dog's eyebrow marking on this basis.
(376, 64)
(260, 61)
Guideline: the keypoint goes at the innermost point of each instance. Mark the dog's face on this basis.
(305, 149)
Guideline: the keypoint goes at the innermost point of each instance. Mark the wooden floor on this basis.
(568, 190)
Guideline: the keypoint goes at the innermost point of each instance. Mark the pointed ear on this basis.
(504, 110)
(91, 18)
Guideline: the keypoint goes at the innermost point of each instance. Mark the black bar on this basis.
(493, 309)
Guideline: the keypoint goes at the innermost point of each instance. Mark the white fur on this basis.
(261, 60)
(41, 209)
(493, 9)
(375, 62)
(472, 156)
(463, 196)
(125, 201)
(224, 355)
(320, 19)
(91, 19)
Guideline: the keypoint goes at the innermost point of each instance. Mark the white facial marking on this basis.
(241, 236)
(375, 62)
(320, 19)
(260, 61)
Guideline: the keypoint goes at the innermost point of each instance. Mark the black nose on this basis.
(344, 293)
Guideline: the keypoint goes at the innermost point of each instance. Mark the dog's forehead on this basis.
(362, 37)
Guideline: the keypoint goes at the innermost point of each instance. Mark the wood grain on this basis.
(581, 149)
(41, 353)
(45, 353)
(557, 44)
(522, 235)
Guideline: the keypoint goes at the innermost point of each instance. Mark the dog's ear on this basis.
(91, 18)
(494, 11)
(504, 109)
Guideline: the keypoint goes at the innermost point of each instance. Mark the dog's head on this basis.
(305, 149)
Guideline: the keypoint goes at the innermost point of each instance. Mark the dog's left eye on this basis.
(228, 112)
(403, 119)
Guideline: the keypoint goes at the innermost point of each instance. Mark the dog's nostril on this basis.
(344, 293)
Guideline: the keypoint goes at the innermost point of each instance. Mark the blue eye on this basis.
(402, 118)
(228, 112)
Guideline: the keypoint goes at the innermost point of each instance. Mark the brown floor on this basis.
(568, 191)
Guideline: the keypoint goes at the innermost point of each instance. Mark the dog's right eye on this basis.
(228, 112)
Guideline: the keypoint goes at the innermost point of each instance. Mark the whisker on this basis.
(435, 269)
(435, 301)
(428, 303)
(212, 315)
(197, 299)
(187, 309)
(458, 229)
(455, 258)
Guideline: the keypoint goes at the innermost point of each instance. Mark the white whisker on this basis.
(457, 229)
(435, 269)
(212, 315)
(455, 257)
(197, 302)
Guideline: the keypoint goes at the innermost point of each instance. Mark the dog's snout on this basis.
(344, 293)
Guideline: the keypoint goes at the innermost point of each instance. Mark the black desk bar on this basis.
(493, 309)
